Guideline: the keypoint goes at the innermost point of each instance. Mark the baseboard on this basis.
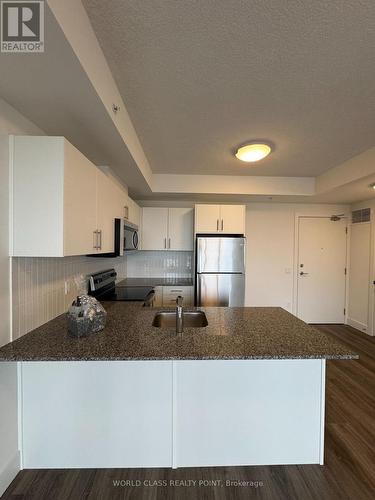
(9, 472)
(358, 325)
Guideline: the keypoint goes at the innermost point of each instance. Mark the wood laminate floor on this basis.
(348, 473)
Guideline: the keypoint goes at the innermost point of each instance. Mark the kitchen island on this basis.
(248, 389)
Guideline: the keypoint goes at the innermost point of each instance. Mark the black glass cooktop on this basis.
(138, 293)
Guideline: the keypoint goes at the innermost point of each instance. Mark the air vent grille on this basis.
(362, 215)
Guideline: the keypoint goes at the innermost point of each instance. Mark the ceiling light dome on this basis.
(253, 152)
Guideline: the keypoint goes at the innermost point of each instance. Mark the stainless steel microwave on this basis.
(131, 239)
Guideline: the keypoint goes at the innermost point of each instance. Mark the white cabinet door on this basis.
(232, 219)
(107, 209)
(207, 218)
(158, 300)
(97, 414)
(154, 228)
(180, 233)
(134, 212)
(277, 406)
(37, 166)
(79, 203)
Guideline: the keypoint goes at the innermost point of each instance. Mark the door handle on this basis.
(303, 274)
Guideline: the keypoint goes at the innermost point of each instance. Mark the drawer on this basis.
(177, 290)
(171, 302)
(170, 295)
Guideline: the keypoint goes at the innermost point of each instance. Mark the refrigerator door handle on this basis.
(198, 288)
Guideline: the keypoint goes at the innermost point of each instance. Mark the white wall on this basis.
(270, 230)
(11, 122)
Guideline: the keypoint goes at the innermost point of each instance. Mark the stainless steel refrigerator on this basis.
(220, 271)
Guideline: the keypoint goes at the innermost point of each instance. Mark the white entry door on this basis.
(321, 276)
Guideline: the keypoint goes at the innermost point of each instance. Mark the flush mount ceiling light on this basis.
(253, 152)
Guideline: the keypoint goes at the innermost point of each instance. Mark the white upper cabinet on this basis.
(207, 218)
(220, 219)
(78, 205)
(167, 228)
(110, 201)
(180, 229)
(154, 228)
(62, 203)
(232, 219)
(132, 212)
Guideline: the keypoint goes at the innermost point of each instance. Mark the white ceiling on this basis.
(199, 78)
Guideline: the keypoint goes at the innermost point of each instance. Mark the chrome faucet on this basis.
(179, 315)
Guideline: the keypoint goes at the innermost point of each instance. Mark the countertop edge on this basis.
(166, 358)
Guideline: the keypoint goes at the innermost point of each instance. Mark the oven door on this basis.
(130, 238)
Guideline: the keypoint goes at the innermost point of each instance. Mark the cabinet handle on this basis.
(172, 291)
(222, 224)
(95, 240)
(126, 212)
(217, 225)
(169, 243)
(100, 239)
(165, 242)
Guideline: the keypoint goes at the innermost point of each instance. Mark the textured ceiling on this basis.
(200, 77)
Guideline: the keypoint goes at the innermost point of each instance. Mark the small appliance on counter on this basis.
(85, 316)
(102, 285)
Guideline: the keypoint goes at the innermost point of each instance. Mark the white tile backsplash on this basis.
(38, 286)
(143, 264)
(39, 283)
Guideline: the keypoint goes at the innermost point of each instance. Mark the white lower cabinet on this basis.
(106, 414)
(158, 300)
(97, 414)
(170, 294)
(249, 412)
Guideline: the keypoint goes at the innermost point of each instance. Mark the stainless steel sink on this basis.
(191, 319)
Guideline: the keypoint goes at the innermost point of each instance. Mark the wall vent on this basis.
(362, 215)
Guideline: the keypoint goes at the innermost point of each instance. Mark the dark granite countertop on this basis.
(156, 282)
(232, 333)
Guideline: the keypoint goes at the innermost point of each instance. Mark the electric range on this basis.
(102, 286)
